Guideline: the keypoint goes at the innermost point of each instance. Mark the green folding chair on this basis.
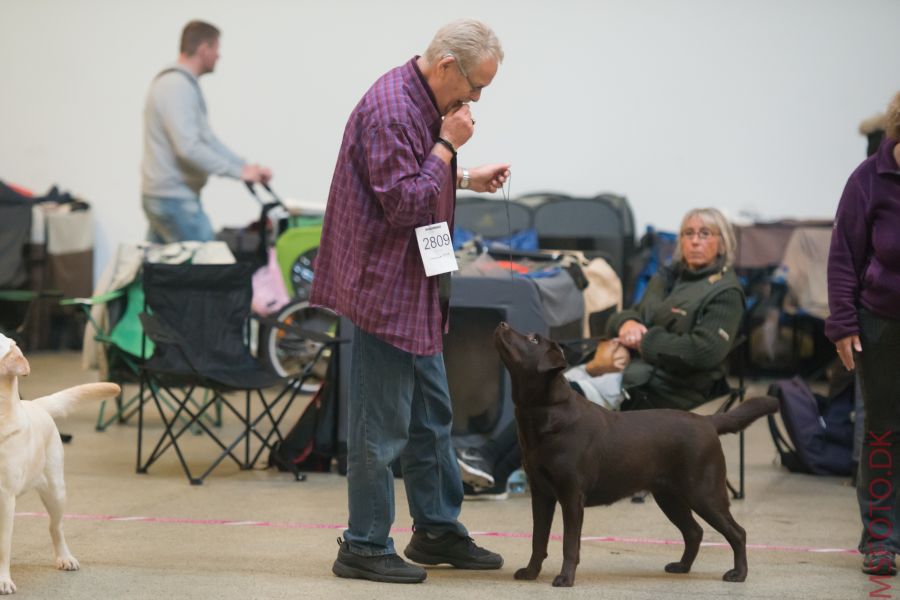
(123, 348)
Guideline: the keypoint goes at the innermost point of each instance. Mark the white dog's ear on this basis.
(14, 362)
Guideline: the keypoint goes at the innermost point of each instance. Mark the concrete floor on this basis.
(259, 534)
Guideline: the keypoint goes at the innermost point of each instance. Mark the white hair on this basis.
(468, 41)
(713, 218)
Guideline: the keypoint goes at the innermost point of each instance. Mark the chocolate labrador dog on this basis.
(579, 454)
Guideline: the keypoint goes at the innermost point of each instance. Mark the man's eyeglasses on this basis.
(472, 87)
(703, 233)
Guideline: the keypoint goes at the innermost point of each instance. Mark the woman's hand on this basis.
(845, 348)
(630, 334)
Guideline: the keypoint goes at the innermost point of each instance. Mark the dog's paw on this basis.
(7, 586)
(734, 576)
(677, 567)
(67, 563)
(526, 573)
(563, 581)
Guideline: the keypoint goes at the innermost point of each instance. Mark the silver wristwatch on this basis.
(464, 182)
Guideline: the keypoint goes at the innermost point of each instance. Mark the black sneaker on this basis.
(387, 568)
(453, 549)
(498, 492)
(879, 562)
(474, 469)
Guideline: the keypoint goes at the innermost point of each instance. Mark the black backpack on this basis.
(311, 443)
(820, 428)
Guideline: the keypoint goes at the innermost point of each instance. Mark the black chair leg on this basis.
(738, 492)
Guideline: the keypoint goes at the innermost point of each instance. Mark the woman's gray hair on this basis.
(892, 119)
(714, 219)
(468, 40)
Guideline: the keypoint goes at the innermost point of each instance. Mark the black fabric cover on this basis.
(15, 232)
(207, 307)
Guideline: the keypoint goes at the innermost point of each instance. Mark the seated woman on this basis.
(679, 336)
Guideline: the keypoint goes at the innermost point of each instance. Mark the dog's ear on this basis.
(14, 363)
(553, 360)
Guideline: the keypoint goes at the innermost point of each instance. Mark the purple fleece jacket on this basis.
(864, 260)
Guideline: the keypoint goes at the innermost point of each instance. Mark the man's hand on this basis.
(630, 334)
(458, 126)
(256, 174)
(845, 348)
(488, 178)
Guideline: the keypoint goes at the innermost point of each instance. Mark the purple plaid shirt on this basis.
(386, 183)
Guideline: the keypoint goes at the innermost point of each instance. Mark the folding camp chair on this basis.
(197, 317)
(123, 348)
(121, 344)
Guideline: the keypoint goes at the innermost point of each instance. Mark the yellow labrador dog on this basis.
(31, 453)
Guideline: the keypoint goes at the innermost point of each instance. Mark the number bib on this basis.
(436, 249)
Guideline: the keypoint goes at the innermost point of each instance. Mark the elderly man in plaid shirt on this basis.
(397, 171)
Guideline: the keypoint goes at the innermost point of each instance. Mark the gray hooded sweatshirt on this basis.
(180, 149)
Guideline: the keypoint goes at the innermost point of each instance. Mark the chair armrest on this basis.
(93, 300)
(28, 295)
(17, 295)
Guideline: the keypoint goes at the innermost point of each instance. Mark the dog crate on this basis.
(479, 384)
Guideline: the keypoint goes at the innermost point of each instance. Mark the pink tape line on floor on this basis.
(498, 534)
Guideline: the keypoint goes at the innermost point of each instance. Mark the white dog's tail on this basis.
(58, 404)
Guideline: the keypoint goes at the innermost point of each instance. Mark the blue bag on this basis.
(820, 429)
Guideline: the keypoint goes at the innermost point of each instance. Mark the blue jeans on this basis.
(176, 220)
(399, 406)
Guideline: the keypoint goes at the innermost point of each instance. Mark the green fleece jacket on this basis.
(692, 320)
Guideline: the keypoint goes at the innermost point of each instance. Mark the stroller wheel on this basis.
(290, 354)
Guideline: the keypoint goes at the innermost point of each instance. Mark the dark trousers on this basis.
(878, 369)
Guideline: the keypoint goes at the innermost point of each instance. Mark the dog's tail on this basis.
(746, 412)
(58, 404)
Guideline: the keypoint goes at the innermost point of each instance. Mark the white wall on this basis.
(744, 104)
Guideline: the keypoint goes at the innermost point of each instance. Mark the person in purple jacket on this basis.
(397, 171)
(864, 298)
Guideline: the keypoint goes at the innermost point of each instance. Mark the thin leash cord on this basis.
(506, 196)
